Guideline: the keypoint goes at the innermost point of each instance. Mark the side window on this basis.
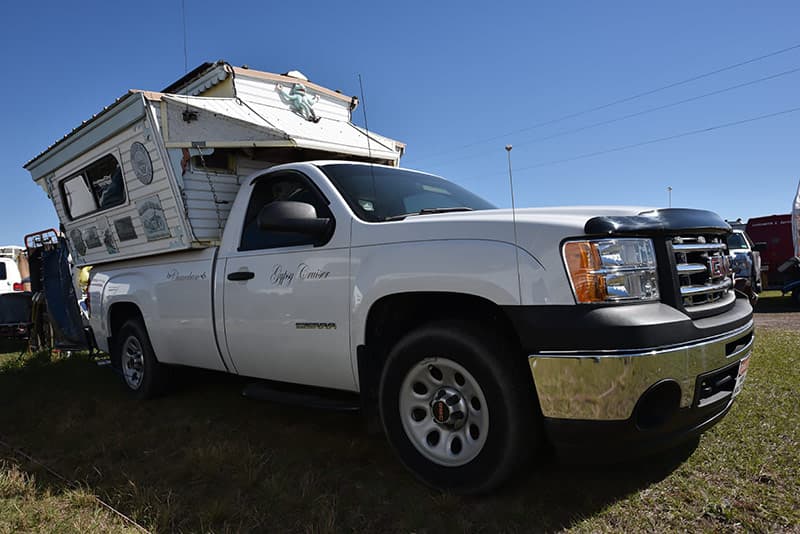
(3, 272)
(96, 187)
(218, 160)
(289, 186)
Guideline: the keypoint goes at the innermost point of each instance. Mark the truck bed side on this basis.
(173, 293)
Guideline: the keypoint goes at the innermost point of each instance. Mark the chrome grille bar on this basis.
(706, 289)
(698, 247)
(691, 268)
(701, 270)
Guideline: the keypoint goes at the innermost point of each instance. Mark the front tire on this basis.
(141, 372)
(459, 408)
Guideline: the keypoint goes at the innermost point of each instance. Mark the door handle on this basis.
(241, 275)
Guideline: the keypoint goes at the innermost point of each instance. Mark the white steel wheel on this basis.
(132, 362)
(134, 358)
(458, 406)
(444, 411)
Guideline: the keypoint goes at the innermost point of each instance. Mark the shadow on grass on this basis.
(204, 458)
(773, 302)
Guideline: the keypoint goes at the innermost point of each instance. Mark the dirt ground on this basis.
(777, 312)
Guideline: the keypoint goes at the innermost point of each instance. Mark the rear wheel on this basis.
(458, 407)
(796, 296)
(134, 355)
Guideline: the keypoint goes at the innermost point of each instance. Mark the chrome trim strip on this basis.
(691, 268)
(646, 351)
(697, 247)
(633, 269)
(692, 291)
(608, 387)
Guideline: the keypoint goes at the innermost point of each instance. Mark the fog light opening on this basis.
(658, 404)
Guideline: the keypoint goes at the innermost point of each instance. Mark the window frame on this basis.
(315, 190)
(196, 166)
(82, 174)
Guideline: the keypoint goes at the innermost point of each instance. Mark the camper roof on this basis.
(216, 80)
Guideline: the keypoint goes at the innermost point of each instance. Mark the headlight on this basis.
(612, 270)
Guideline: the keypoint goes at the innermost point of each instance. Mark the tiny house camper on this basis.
(156, 172)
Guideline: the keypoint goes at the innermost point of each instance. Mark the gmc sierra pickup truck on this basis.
(476, 334)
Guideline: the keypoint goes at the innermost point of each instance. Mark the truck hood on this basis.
(496, 225)
(540, 231)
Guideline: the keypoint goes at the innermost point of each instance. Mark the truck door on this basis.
(286, 293)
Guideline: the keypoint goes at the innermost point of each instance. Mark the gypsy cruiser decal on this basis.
(281, 276)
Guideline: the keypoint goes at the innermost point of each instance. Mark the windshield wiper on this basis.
(427, 211)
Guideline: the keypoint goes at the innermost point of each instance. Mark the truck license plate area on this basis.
(741, 375)
(716, 385)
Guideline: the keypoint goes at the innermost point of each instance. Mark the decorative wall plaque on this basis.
(91, 238)
(142, 165)
(125, 229)
(109, 242)
(78, 243)
(153, 219)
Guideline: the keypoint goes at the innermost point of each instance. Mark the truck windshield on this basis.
(736, 240)
(378, 194)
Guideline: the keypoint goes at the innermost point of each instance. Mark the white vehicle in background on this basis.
(10, 274)
(746, 264)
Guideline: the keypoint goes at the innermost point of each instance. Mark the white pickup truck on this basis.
(477, 335)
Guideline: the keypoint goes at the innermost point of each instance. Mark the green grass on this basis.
(28, 506)
(206, 459)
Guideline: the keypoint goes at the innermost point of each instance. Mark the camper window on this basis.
(96, 187)
(221, 161)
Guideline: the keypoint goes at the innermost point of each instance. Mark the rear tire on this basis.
(141, 372)
(796, 296)
(459, 408)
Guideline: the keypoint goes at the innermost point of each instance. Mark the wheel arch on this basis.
(118, 314)
(392, 316)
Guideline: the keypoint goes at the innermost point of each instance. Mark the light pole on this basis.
(669, 196)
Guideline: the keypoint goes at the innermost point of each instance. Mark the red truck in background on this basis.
(776, 232)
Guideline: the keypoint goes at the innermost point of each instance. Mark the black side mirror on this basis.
(761, 246)
(291, 216)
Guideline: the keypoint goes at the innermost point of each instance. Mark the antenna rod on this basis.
(364, 110)
(514, 220)
(185, 50)
(369, 145)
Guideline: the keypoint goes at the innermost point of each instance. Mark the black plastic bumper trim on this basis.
(618, 328)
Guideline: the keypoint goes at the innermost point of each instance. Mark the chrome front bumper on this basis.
(606, 385)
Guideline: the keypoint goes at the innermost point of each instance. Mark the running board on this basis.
(317, 398)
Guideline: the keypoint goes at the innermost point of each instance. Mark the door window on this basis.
(285, 186)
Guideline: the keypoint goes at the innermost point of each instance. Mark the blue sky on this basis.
(445, 77)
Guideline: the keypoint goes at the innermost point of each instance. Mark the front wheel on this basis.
(796, 296)
(143, 375)
(458, 406)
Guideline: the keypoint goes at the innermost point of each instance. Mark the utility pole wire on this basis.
(644, 111)
(619, 101)
(657, 140)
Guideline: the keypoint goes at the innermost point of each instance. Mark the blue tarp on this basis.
(62, 305)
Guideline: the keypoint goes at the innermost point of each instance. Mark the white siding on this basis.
(103, 222)
(263, 92)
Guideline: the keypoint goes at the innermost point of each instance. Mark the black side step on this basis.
(317, 398)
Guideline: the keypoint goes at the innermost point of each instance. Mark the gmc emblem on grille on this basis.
(717, 266)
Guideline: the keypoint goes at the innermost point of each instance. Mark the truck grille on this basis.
(703, 269)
